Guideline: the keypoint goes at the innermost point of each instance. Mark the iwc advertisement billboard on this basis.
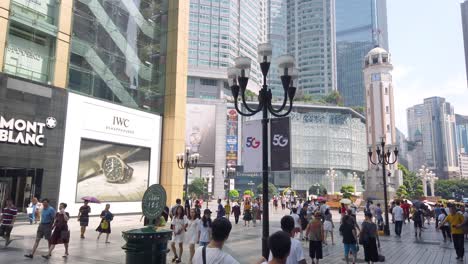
(111, 152)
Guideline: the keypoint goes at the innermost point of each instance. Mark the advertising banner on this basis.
(280, 144)
(200, 131)
(231, 138)
(252, 146)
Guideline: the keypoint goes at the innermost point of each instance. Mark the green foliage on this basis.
(359, 109)
(402, 193)
(249, 192)
(446, 188)
(250, 96)
(233, 194)
(272, 190)
(347, 191)
(321, 190)
(334, 98)
(196, 188)
(412, 183)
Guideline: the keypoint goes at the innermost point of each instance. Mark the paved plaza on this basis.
(244, 244)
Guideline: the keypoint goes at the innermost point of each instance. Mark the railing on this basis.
(25, 73)
(32, 13)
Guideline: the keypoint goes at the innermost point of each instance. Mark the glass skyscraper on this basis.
(277, 33)
(311, 40)
(360, 25)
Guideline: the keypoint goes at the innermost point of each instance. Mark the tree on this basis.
(451, 189)
(249, 95)
(347, 191)
(272, 190)
(412, 182)
(233, 194)
(401, 193)
(249, 192)
(197, 187)
(318, 189)
(334, 98)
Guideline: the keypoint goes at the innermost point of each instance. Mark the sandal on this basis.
(178, 260)
(174, 259)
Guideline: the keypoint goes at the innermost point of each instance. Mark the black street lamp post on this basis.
(238, 78)
(384, 159)
(187, 162)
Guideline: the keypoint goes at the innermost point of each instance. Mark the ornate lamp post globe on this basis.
(238, 79)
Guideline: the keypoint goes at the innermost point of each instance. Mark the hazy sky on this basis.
(426, 43)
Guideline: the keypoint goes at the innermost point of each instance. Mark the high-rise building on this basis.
(462, 133)
(311, 40)
(86, 90)
(380, 117)
(433, 122)
(360, 26)
(464, 15)
(402, 145)
(220, 31)
(277, 34)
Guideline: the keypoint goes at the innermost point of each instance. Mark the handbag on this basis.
(104, 225)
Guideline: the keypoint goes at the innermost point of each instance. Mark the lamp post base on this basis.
(386, 230)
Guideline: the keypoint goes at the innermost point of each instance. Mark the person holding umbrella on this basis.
(83, 217)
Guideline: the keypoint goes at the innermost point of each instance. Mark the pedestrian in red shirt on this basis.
(406, 210)
(7, 219)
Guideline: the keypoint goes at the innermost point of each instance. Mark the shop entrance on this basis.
(20, 185)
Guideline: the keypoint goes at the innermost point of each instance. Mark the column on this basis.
(4, 14)
(62, 50)
(173, 140)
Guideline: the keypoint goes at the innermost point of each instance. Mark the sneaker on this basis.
(29, 256)
(46, 256)
(8, 242)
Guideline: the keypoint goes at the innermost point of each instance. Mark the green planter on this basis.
(145, 245)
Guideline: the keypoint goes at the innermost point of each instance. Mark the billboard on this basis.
(112, 172)
(252, 146)
(200, 131)
(280, 144)
(231, 138)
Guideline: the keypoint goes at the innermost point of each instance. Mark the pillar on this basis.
(4, 14)
(62, 49)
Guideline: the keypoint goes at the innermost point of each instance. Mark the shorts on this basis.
(5, 231)
(44, 231)
(315, 249)
(418, 224)
(349, 247)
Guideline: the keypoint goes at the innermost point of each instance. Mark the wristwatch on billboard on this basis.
(116, 169)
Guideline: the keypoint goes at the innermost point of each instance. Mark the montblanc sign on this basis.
(24, 132)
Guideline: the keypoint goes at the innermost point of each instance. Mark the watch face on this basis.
(113, 169)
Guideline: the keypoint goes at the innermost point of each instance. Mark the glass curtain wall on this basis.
(118, 51)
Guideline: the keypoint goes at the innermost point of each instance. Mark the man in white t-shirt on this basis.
(296, 254)
(220, 229)
(399, 217)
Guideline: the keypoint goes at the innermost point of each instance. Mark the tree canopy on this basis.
(318, 189)
(347, 191)
(233, 194)
(197, 187)
(412, 183)
(272, 190)
(451, 189)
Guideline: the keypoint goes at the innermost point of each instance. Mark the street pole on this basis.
(186, 162)
(384, 175)
(265, 222)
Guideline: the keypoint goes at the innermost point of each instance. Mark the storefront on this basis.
(111, 152)
(32, 125)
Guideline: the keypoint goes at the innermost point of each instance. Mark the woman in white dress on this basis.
(205, 228)
(328, 226)
(192, 236)
(179, 225)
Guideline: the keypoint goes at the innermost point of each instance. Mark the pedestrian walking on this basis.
(105, 224)
(303, 218)
(212, 253)
(83, 217)
(456, 220)
(236, 211)
(247, 213)
(392, 205)
(7, 220)
(259, 211)
(32, 211)
(464, 212)
(398, 217)
(220, 212)
(60, 233)
(418, 222)
(349, 233)
(283, 203)
(437, 213)
(192, 237)
(379, 218)
(297, 221)
(187, 207)
(445, 228)
(296, 255)
(205, 228)
(44, 230)
(254, 213)
(279, 244)
(368, 238)
(179, 224)
(328, 227)
(315, 233)
(198, 208)
(227, 209)
(275, 203)
(406, 211)
(173, 208)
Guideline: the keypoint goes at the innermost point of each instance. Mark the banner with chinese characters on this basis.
(252, 146)
(231, 138)
(280, 144)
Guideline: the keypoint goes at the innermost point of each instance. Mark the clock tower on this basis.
(380, 118)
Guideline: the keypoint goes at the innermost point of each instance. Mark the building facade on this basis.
(433, 122)
(88, 79)
(464, 16)
(462, 133)
(360, 26)
(311, 40)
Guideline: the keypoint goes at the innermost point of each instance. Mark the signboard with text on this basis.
(231, 138)
(280, 144)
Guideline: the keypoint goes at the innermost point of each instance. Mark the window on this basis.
(386, 90)
(210, 82)
(387, 109)
(388, 128)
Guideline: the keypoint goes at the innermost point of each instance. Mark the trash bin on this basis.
(146, 245)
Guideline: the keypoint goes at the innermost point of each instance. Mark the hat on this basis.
(207, 211)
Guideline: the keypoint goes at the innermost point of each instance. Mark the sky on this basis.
(426, 44)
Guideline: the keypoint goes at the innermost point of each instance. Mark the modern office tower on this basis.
(86, 81)
(360, 26)
(380, 117)
(435, 119)
(463, 164)
(402, 145)
(220, 31)
(277, 34)
(462, 133)
(464, 15)
(311, 40)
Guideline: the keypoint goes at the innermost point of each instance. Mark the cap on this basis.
(207, 211)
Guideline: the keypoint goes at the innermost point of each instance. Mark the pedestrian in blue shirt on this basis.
(220, 212)
(44, 230)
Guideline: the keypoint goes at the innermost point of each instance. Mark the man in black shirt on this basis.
(348, 230)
